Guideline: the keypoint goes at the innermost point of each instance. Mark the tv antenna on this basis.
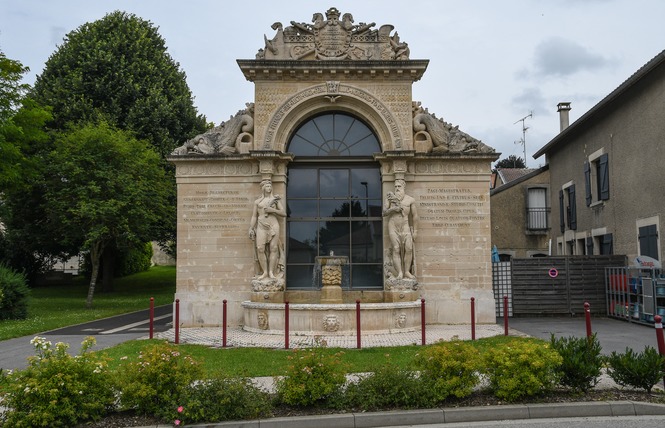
(524, 128)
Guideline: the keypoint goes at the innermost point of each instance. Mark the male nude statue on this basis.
(400, 209)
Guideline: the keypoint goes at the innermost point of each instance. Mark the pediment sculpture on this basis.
(434, 135)
(223, 139)
(333, 38)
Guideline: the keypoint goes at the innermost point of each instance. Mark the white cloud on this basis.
(562, 57)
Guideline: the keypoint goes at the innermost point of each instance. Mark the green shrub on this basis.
(14, 294)
(387, 386)
(582, 363)
(127, 260)
(521, 369)
(134, 260)
(57, 389)
(157, 382)
(312, 377)
(450, 369)
(642, 370)
(220, 400)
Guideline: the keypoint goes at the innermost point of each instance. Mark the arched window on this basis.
(334, 135)
(334, 201)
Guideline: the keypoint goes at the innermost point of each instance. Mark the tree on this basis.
(511, 161)
(22, 133)
(106, 187)
(21, 123)
(117, 69)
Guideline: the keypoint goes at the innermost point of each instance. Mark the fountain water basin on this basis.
(331, 319)
(331, 316)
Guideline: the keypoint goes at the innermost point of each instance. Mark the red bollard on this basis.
(177, 321)
(286, 324)
(422, 320)
(505, 315)
(587, 315)
(473, 318)
(659, 336)
(224, 323)
(152, 316)
(358, 323)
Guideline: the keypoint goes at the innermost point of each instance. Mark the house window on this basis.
(537, 211)
(589, 246)
(648, 238)
(567, 208)
(597, 178)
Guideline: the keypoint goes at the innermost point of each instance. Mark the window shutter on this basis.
(648, 239)
(604, 177)
(562, 218)
(573, 207)
(608, 244)
(587, 182)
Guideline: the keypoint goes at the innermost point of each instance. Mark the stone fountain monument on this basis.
(333, 186)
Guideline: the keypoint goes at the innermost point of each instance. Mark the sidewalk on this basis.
(238, 338)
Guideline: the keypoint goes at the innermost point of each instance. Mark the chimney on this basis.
(564, 118)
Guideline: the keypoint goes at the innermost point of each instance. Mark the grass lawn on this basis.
(53, 307)
(253, 362)
(58, 306)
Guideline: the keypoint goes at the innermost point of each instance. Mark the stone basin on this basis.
(332, 319)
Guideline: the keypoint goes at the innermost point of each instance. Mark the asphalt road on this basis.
(613, 334)
(107, 332)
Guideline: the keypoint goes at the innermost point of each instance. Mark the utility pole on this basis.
(524, 128)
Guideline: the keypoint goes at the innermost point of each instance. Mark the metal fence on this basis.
(501, 284)
(548, 286)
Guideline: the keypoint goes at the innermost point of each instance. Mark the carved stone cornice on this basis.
(285, 70)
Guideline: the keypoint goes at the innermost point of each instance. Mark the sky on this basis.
(496, 67)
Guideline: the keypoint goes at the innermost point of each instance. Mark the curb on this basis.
(450, 415)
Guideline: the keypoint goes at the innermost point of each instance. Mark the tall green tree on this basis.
(22, 134)
(21, 123)
(117, 69)
(106, 188)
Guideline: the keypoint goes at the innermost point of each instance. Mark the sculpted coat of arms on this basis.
(333, 38)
